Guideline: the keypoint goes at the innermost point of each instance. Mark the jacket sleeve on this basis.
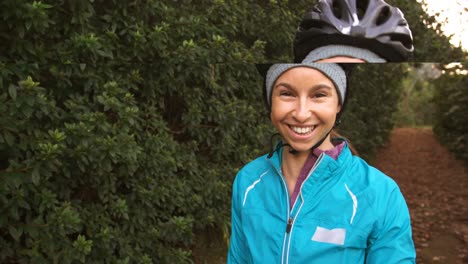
(237, 248)
(392, 242)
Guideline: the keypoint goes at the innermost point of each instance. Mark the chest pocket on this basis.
(340, 223)
(328, 241)
(342, 235)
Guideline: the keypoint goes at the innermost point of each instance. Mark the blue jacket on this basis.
(346, 212)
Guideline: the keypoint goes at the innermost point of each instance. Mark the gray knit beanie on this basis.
(334, 72)
(330, 51)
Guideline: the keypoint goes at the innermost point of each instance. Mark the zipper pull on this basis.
(289, 225)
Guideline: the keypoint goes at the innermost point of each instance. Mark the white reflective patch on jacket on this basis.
(333, 236)
(355, 203)
(253, 186)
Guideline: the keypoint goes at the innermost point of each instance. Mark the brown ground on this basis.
(434, 185)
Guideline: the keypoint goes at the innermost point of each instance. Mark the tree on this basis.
(451, 102)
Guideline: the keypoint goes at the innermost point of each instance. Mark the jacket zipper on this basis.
(290, 222)
(289, 225)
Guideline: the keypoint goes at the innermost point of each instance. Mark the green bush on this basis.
(120, 127)
(451, 100)
(374, 92)
(123, 123)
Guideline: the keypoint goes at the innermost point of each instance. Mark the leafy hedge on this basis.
(123, 123)
(109, 172)
(121, 134)
(451, 100)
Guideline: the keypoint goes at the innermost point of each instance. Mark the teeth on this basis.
(302, 130)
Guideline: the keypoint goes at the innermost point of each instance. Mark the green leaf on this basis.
(35, 176)
(21, 31)
(14, 179)
(106, 54)
(12, 91)
(15, 233)
(9, 138)
(23, 204)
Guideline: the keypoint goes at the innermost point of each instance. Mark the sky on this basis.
(455, 12)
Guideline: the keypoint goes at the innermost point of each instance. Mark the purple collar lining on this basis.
(313, 156)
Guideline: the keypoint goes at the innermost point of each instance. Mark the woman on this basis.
(311, 200)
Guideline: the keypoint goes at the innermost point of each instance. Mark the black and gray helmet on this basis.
(369, 24)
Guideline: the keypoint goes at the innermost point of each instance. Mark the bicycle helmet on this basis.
(368, 24)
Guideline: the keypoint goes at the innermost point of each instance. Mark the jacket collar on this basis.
(325, 166)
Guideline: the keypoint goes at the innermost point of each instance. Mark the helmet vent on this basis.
(384, 15)
(306, 25)
(315, 9)
(337, 9)
(361, 8)
(403, 39)
(403, 23)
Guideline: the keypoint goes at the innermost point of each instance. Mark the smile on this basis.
(302, 130)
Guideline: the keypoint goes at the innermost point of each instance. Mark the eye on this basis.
(286, 93)
(319, 95)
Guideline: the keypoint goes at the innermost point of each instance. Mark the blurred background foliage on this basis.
(435, 95)
(123, 123)
(451, 109)
(416, 107)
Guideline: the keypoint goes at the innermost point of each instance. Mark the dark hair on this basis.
(335, 135)
(348, 68)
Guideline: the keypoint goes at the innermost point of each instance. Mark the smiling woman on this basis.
(333, 206)
(310, 200)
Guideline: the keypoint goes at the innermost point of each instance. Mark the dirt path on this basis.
(435, 187)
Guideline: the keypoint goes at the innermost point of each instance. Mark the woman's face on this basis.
(304, 107)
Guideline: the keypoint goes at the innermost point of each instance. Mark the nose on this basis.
(303, 111)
